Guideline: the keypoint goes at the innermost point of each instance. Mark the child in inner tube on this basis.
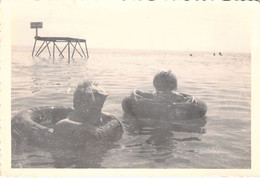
(85, 120)
(165, 83)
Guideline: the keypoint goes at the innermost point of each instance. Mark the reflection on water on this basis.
(161, 135)
(220, 140)
(87, 156)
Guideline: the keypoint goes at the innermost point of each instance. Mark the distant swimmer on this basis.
(214, 54)
(220, 53)
(190, 54)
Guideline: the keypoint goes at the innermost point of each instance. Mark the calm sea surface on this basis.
(223, 82)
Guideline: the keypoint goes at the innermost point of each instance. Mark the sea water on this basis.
(222, 82)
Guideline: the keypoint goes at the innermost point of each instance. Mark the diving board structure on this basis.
(71, 44)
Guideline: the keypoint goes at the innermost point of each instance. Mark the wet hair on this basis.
(89, 89)
(165, 80)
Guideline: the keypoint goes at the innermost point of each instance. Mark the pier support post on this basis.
(39, 48)
(47, 43)
(75, 49)
(59, 50)
(34, 47)
(68, 52)
(63, 50)
(53, 50)
(86, 49)
(49, 50)
(82, 50)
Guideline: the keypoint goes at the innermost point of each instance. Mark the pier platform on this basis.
(72, 44)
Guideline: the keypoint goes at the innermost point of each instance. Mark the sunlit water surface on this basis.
(223, 82)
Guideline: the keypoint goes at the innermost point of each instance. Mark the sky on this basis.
(135, 24)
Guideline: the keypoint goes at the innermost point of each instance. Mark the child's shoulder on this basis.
(175, 93)
(178, 97)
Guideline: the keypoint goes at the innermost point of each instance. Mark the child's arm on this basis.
(93, 130)
(177, 97)
(70, 128)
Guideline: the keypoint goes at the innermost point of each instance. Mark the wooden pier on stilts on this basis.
(70, 43)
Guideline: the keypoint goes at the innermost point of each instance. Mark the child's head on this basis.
(89, 96)
(165, 81)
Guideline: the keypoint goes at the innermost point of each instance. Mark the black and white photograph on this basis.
(131, 84)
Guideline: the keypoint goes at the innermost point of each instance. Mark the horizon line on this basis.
(149, 49)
